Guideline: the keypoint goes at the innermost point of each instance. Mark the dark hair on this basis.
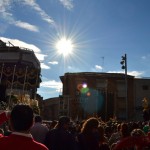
(89, 124)
(137, 132)
(21, 118)
(125, 130)
(38, 119)
(63, 120)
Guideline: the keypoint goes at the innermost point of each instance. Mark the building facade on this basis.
(51, 108)
(141, 91)
(101, 94)
(20, 74)
(88, 94)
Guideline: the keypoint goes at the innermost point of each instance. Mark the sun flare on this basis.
(64, 46)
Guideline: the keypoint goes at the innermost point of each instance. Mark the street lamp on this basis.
(106, 100)
(124, 66)
(124, 62)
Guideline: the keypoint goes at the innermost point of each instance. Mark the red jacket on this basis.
(131, 141)
(19, 142)
(3, 117)
(1, 135)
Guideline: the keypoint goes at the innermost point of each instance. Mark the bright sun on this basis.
(64, 46)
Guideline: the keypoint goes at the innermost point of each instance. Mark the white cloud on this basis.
(53, 62)
(67, 4)
(5, 7)
(26, 26)
(44, 66)
(52, 84)
(42, 13)
(40, 56)
(19, 43)
(22, 44)
(132, 73)
(97, 67)
(136, 73)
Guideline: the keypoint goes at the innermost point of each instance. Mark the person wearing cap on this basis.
(21, 120)
(60, 138)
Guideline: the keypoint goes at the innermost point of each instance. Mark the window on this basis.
(101, 83)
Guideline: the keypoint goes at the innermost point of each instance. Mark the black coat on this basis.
(88, 142)
(60, 139)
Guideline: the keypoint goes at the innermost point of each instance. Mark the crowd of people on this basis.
(21, 129)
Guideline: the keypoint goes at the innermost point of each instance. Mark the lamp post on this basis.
(106, 100)
(124, 66)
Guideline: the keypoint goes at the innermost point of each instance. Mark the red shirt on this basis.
(3, 118)
(128, 142)
(19, 142)
(1, 135)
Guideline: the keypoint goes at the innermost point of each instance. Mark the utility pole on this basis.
(106, 99)
(124, 66)
(103, 63)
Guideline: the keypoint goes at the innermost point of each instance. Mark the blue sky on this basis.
(101, 31)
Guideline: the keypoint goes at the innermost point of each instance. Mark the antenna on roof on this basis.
(10, 44)
(103, 63)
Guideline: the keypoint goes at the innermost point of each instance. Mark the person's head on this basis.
(21, 118)
(137, 132)
(90, 125)
(124, 129)
(38, 119)
(63, 122)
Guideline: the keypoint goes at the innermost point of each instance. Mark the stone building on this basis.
(141, 91)
(20, 73)
(101, 94)
(87, 94)
(51, 107)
